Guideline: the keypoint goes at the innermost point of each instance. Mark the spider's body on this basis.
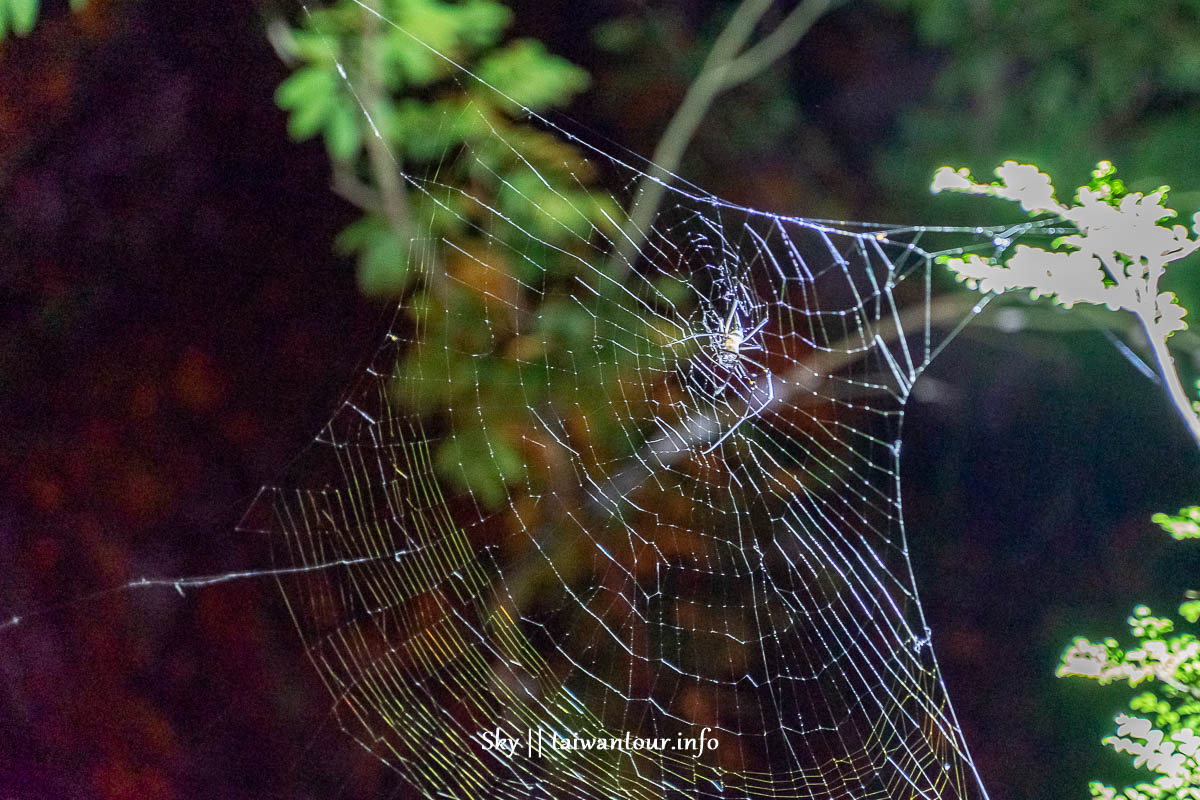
(729, 343)
(730, 340)
(729, 349)
(727, 357)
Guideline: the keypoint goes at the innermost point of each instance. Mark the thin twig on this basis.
(1146, 313)
(347, 186)
(728, 64)
(778, 43)
(385, 168)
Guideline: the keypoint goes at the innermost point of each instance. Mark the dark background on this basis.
(176, 328)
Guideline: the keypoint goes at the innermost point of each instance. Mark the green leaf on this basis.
(481, 22)
(383, 260)
(532, 78)
(78, 5)
(480, 464)
(314, 47)
(1184, 525)
(308, 119)
(383, 268)
(24, 15)
(306, 86)
(426, 131)
(311, 95)
(343, 136)
(358, 234)
(618, 35)
(436, 23)
(406, 61)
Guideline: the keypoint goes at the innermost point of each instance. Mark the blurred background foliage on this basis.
(1053, 84)
(164, 255)
(426, 117)
(519, 205)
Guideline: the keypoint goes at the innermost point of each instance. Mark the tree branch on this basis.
(778, 43)
(728, 64)
(1146, 313)
(385, 168)
(1170, 377)
(795, 386)
(347, 186)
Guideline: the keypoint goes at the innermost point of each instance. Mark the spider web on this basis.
(619, 499)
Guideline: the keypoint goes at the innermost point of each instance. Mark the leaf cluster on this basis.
(473, 212)
(1184, 525)
(1117, 258)
(1161, 733)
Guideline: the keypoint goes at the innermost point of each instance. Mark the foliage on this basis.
(17, 16)
(1054, 82)
(1120, 248)
(431, 88)
(1161, 733)
(362, 73)
(322, 101)
(1117, 257)
(1184, 525)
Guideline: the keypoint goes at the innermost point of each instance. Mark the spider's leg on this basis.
(713, 377)
(732, 316)
(729, 373)
(752, 362)
(729, 432)
(739, 369)
(690, 338)
(750, 411)
(761, 324)
(770, 394)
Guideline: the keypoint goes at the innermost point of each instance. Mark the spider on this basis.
(729, 342)
(729, 345)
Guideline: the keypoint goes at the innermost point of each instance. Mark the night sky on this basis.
(177, 328)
